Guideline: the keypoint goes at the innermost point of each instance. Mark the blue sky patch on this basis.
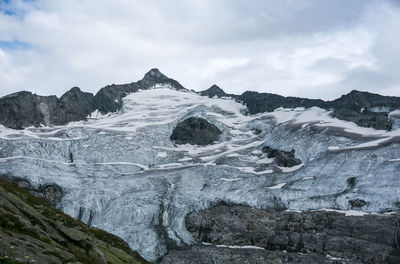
(14, 45)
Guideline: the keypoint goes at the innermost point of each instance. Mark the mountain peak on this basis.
(155, 73)
(214, 90)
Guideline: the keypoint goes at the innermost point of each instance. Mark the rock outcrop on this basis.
(365, 109)
(267, 236)
(282, 158)
(32, 231)
(195, 131)
(213, 91)
(77, 104)
(267, 102)
(24, 109)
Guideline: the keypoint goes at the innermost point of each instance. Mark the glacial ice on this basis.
(140, 186)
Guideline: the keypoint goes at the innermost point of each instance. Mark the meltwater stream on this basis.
(124, 170)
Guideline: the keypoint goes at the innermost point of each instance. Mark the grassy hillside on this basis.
(33, 231)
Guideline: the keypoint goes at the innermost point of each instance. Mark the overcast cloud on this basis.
(308, 48)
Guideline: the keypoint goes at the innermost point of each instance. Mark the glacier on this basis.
(140, 186)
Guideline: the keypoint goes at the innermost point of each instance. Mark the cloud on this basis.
(313, 48)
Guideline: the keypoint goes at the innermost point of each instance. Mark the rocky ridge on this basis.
(363, 108)
(24, 109)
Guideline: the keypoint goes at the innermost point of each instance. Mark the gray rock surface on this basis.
(282, 158)
(283, 237)
(77, 104)
(24, 109)
(195, 131)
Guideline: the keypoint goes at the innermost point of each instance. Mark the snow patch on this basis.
(240, 247)
(230, 180)
(278, 186)
(347, 213)
(162, 154)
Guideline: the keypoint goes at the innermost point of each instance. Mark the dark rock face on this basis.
(213, 91)
(282, 158)
(195, 131)
(365, 109)
(267, 102)
(154, 76)
(365, 119)
(291, 237)
(24, 109)
(77, 104)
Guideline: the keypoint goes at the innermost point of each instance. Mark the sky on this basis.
(308, 48)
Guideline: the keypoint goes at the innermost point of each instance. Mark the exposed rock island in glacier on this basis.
(195, 131)
(123, 172)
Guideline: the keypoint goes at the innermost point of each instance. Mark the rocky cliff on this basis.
(24, 109)
(240, 234)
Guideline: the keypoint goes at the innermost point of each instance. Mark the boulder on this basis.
(282, 158)
(357, 203)
(195, 131)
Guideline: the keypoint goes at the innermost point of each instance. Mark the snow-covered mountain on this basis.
(123, 171)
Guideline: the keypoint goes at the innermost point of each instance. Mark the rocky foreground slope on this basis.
(33, 231)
